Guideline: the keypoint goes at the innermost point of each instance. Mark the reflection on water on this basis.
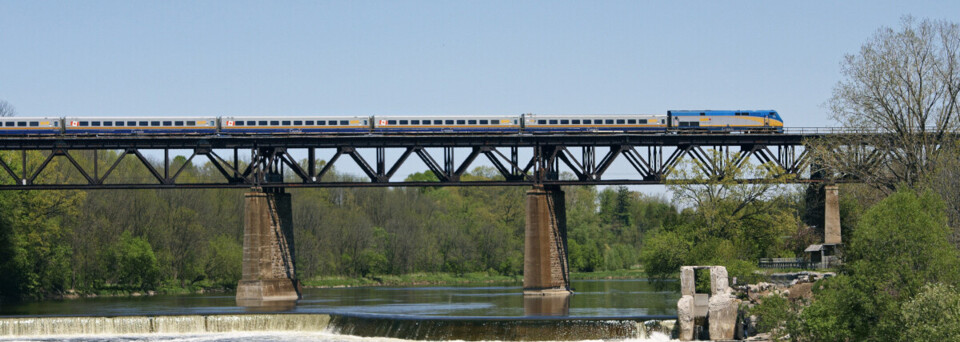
(546, 305)
(251, 305)
(592, 298)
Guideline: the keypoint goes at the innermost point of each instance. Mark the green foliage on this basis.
(133, 263)
(772, 313)
(225, 260)
(899, 246)
(933, 315)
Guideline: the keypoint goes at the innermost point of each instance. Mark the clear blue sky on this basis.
(440, 57)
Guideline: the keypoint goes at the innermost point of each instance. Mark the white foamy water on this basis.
(253, 337)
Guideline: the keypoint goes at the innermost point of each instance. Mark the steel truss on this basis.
(518, 159)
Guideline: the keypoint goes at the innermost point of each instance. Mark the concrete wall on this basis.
(831, 224)
(268, 269)
(545, 268)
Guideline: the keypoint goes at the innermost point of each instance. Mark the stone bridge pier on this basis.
(268, 270)
(545, 268)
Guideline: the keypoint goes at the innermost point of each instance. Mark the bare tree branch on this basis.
(903, 83)
(7, 109)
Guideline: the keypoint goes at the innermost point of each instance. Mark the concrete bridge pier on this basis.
(545, 268)
(268, 270)
(831, 215)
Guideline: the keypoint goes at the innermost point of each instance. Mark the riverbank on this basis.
(424, 279)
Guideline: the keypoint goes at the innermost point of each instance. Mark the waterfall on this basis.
(402, 327)
(177, 324)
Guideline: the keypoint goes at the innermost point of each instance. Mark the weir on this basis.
(403, 327)
(268, 256)
(545, 268)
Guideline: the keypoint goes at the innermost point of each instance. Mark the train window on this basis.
(95, 123)
(391, 122)
(553, 122)
(643, 121)
(564, 122)
(134, 123)
(168, 123)
(461, 122)
(414, 122)
(494, 122)
(404, 122)
(261, 123)
(332, 123)
(178, 123)
(84, 123)
(541, 122)
(238, 123)
(108, 123)
(471, 122)
(154, 123)
(309, 122)
(22, 124)
(609, 122)
(425, 122)
(286, 122)
(437, 122)
(344, 122)
(448, 122)
(484, 122)
(702, 113)
(274, 122)
(191, 123)
(632, 121)
(586, 122)
(8, 124)
(575, 122)
(121, 123)
(298, 122)
(34, 124)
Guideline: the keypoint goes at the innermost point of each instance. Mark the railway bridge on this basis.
(268, 164)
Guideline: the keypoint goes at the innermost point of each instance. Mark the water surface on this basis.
(592, 298)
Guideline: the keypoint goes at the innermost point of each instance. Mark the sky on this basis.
(116, 58)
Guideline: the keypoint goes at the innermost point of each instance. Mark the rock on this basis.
(718, 281)
(723, 316)
(685, 317)
(687, 281)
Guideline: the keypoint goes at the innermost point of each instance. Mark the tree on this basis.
(903, 83)
(899, 246)
(7, 109)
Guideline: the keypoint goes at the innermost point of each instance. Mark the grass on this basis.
(618, 274)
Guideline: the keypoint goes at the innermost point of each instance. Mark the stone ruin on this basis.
(719, 307)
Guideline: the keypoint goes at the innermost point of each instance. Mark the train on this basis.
(675, 121)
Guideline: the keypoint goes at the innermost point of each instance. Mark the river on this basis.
(485, 307)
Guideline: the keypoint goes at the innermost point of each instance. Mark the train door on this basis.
(766, 120)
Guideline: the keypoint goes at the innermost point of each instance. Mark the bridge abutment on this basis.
(545, 268)
(268, 255)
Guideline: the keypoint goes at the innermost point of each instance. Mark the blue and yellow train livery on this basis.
(29, 126)
(287, 124)
(726, 120)
(141, 125)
